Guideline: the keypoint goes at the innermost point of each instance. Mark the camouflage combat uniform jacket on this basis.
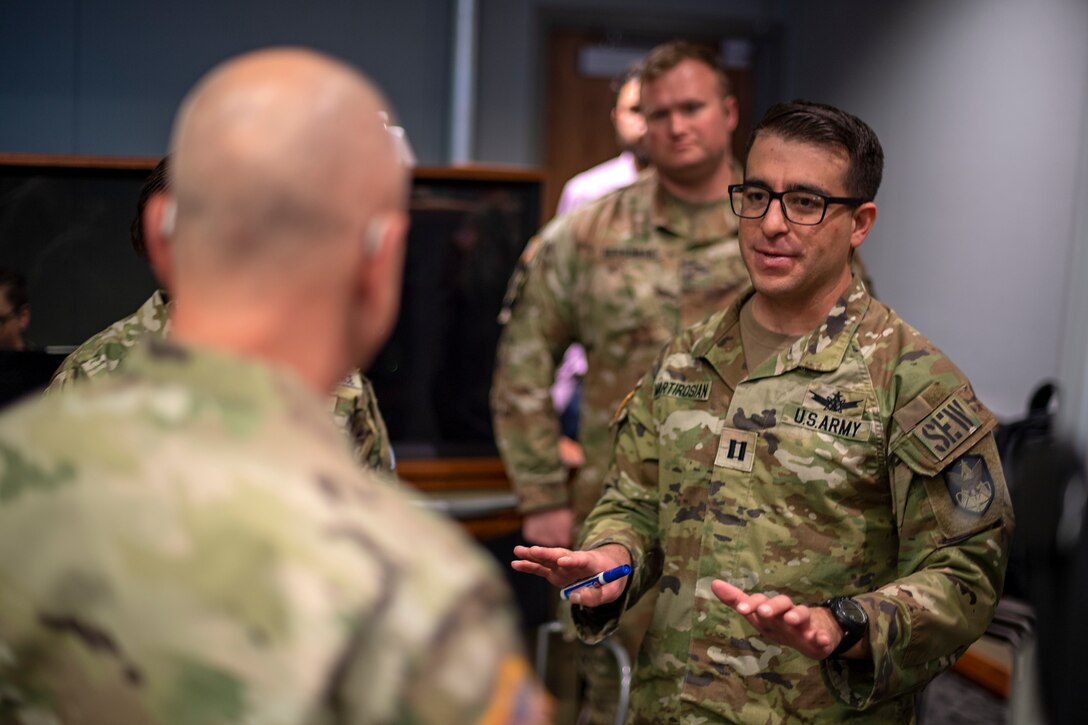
(188, 541)
(354, 405)
(621, 275)
(855, 462)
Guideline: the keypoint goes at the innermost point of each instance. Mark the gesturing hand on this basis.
(563, 567)
(812, 631)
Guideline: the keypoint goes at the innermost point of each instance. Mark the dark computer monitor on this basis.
(64, 222)
(25, 373)
(433, 377)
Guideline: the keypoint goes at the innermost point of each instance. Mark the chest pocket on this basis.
(830, 438)
(632, 296)
(688, 441)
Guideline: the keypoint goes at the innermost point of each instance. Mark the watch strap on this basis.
(852, 632)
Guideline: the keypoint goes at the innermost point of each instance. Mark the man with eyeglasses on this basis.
(810, 485)
(621, 276)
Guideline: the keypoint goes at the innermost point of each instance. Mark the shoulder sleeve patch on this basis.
(970, 485)
(968, 496)
(515, 698)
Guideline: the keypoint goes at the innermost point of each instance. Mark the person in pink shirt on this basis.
(622, 170)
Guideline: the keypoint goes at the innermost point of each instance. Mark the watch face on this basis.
(851, 611)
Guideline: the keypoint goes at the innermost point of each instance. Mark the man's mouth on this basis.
(774, 258)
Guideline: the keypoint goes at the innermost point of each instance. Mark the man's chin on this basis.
(685, 171)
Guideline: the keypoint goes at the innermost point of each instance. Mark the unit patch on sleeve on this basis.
(969, 484)
(737, 449)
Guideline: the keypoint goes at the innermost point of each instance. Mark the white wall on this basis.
(980, 105)
(1073, 368)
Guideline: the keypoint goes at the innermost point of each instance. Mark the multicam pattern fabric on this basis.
(355, 410)
(621, 275)
(855, 462)
(187, 541)
(103, 352)
(354, 405)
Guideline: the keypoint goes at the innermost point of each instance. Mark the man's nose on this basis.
(774, 222)
(677, 123)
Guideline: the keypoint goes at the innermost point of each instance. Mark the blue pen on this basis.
(599, 580)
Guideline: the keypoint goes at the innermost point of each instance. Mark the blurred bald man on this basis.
(190, 540)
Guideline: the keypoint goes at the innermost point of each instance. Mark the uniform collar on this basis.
(822, 349)
(244, 387)
(697, 223)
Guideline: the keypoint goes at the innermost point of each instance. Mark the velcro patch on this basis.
(829, 423)
(690, 391)
(947, 426)
(514, 696)
(737, 449)
(970, 485)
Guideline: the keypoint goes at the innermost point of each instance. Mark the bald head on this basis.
(287, 213)
(275, 152)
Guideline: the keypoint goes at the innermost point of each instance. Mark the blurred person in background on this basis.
(14, 310)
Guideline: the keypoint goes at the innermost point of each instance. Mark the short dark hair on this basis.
(15, 285)
(155, 183)
(824, 125)
(667, 56)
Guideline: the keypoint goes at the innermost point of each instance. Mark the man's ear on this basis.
(732, 114)
(160, 220)
(863, 219)
(376, 235)
(380, 272)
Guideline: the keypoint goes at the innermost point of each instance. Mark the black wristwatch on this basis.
(852, 620)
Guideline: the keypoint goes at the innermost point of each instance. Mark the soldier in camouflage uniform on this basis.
(354, 404)
(187, 540)
(621, 276)
(806, 458)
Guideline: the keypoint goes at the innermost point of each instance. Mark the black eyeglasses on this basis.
(751, 201)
